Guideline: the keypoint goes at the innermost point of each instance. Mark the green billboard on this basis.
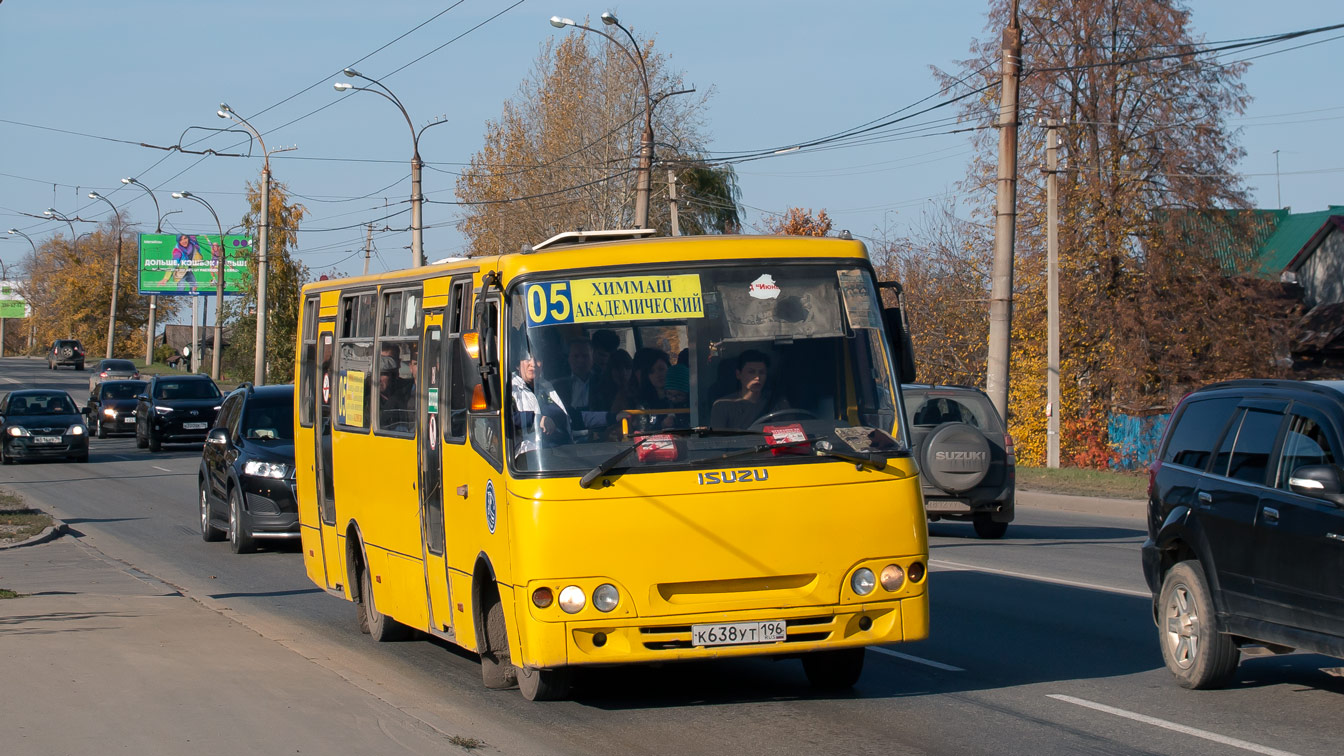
(185, 263)
(12, 304)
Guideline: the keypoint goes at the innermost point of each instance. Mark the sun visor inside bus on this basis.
(805, 309)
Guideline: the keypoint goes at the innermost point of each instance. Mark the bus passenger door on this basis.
(430, 419)
(332, 554)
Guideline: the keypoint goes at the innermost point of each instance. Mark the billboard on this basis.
(12, 303)
(185, 263)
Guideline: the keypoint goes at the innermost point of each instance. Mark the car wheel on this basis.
(834, 670)
(208, 532)
(5, 459)
(1196, 653)
(497, 670)
(140, 441)
(986, 527)
(544, 684)
(382, 628)
(102, 430)
(155, 444)
(240, 533)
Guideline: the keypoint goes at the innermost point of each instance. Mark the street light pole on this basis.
(1005, 224)
(31, 327)
(259, 362)
(1052, 291)
(417, 199)
(153, 300)
(646, 138)
(216, 359)
(116, 274)
(74, 243)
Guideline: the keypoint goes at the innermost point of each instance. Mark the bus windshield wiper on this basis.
(818, 446)
(610, 463)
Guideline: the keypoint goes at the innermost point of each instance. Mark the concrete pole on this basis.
(672, 197)
(116, 284)
(217, 354)
(149, 330)
(1001, 284)
(1052, 288)
(259, 363)
(195, 333)
(645, 168)
(368, 246)
(417, 223)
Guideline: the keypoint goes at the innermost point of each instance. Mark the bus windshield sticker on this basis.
(598, 300)
(351, 409)
(764, 287)
(857, 291)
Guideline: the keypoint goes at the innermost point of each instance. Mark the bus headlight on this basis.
(893, 577)
(572, 599)
(606, 597)
(863, 581)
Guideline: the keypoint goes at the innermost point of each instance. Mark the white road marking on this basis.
(7, 379)
(1205, 734)
(1041, 578)
(156, 467)
(916, 659)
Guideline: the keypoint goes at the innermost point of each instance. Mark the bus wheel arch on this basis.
(492, 635)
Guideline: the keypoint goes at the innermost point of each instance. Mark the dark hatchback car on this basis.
(967, 467)
(112, 407)
(42, 424)
(246, 483)
(175, 409)
(1246, 526)
(65, 352)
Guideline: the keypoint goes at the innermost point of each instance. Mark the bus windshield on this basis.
(767, 361)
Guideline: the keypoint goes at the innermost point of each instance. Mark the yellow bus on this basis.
(609, 449)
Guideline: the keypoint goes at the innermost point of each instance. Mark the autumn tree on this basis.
(285, 276)
(563, 154)
(1147, 189)
(69, 287)
(797, 221)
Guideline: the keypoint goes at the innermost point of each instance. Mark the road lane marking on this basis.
(1205, 734)
(917, 660)
(156, 467)
(1041, 578)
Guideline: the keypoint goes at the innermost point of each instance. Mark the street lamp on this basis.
(153, 299)
(116, 273)
(29, 238)
(259, 363)
(51, 212)
(417, 227)
(645, 139)
(217, 357)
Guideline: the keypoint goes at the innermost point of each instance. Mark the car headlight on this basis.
(216, 407)
(15, 430)
(75, 430)
(572, 599)
(260, 469)
(606, 597)
(163, 410)
(109, 412)
(863, 581)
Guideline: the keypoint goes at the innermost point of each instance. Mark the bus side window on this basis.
(484, 425)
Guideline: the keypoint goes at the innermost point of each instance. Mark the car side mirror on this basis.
(142, 397)
(1318, 482)
(217, 436)
(898, 337)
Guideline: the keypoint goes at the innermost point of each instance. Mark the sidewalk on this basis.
(98, 656)
(1137, 508)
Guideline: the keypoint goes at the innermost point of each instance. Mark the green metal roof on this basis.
(1291, 235)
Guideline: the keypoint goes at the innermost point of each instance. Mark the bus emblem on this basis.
(759, 475)
(490, 505)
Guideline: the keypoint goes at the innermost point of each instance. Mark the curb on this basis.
(1132, 508)
(56, 530)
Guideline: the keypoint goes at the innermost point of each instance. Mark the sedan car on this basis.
(111, 370)
(112, 407)
(246, 481)
(175, 409)
(42, 424)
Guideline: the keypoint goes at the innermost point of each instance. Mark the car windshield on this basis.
(118, 366)
(794, 352)
(269, 418)
(121, 390)
(185, 390)
(42, 404)
(927, 408)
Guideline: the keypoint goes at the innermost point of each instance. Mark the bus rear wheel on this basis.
(544, 684)
(379, 626)
(834, 670)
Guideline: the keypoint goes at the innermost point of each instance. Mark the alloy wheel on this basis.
(1183, 627)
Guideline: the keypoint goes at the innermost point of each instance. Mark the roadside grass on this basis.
(1078, 482)
(6, 593)
(17, 521)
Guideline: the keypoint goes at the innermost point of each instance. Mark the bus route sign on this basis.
(597, 300)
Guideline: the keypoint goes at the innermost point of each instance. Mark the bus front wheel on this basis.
(497, 670)
(543, 684)
(379, 626)
(834, 670)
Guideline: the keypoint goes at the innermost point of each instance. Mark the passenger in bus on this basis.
(647, 391)
(605, 344)
(394, 393)
(752, 399)
(539, 414)
(612, 382)
(679, 392)
(578, 388)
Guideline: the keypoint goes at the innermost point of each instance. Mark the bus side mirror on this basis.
(899, 340)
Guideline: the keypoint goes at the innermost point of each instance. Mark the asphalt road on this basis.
(1041, 643)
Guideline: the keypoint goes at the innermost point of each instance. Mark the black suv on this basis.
(966, 461)
(1246, 526)
(65, 352)
(246, 483)
(175, 409)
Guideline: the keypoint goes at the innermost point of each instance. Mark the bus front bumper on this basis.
(634, 640)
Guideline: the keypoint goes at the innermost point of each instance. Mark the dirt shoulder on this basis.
(1076, 482)
(18, 521)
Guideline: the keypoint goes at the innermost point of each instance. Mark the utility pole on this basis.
(368, 246)
(259, 362)
(1278, 190)
(672, 196)
(1005, 219)
(1052, 288)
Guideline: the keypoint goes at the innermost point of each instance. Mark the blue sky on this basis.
(782, 72)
